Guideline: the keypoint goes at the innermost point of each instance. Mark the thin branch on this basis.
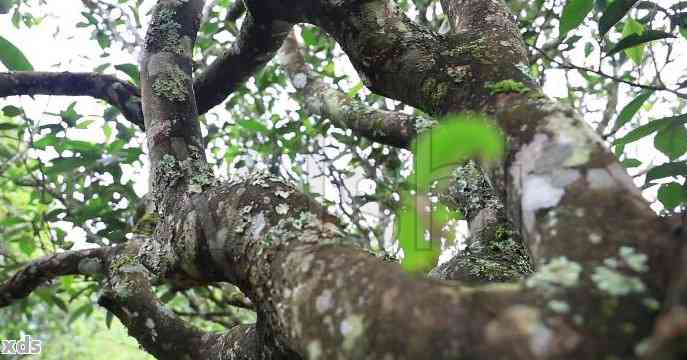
(571, 66)
(40, 271)
(123, 95)
(386, 127)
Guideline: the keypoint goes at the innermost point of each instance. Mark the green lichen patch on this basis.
(616, 283)
(171, 84)
(146, 224)
(507, 86)
(559, 272)
(164, 32)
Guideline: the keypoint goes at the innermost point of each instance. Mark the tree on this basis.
(609, 272)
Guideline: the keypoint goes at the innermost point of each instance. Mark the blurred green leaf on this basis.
(635, 39)
(132, 71)
(667, 170)
(672, 195)
(12, 111)
(12, 57)
(613, 13)
(631, 109)
(419, 222)
(650, 128)
(573, 15)
(672, 140)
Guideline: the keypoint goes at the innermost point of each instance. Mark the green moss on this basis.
(506, 86)
(146, 225)
(171, 84)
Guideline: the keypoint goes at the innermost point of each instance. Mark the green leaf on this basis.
(636, 53)
(635, 39)
(60, 303)
(613, 13)
(252, 124)
(631, 163)
(12, 111)
(355, 90)
(667, 170)
(672, 140)
(132, 71)
(27, 246)
(8, 126)
(42, 143)
(309, 37)
(573, 15)
(672, 195)
(650, 128)
(12, 57)
(63, 165)
(631, 109)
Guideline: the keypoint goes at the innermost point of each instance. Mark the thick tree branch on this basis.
(40, 271)
(169, 105)
(386, 127)
(129, 296)
(124, 96)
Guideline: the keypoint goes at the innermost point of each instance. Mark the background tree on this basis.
(278, 264)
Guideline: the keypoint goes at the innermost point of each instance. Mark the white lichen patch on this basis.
(423, 124)
(299, 80)
(314, 350)
(282, 194)
(633, 259)
(258, 225)
(559, 306)
(595, 238)
(324, 302)
(616, 283)
(574, 132)
(352, 328)
(150, 324)
(600, 179)
(282, 209)
(558, 272)
(540, 193)
(90, 266)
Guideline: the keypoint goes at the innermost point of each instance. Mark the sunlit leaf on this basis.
(573, 15)
(635, 39)
(631, 109)
(672, 140)
(613, 13)
(132, 71)
(650, 128)
(672, 195)
(12, 57)
(670, 169)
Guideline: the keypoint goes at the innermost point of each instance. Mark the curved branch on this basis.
(40, 271)
(386, 127)
(121, 94)
(256, 45)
